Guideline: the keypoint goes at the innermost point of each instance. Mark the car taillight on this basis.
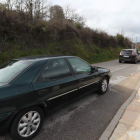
(120, 52)
(133, 54)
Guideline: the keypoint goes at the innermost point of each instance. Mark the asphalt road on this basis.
(87, 117)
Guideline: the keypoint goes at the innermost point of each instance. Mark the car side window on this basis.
(55, 69)
(79, 66)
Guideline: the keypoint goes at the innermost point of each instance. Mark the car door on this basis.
(55, 80)
(88, 80)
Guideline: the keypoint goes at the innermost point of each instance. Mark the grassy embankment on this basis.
(90, 52)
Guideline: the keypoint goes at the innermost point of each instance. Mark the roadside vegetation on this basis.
(36, 27)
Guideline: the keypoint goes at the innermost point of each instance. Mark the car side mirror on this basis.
(93, 69)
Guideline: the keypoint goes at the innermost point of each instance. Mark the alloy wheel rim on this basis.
(29, 124)
(104, 85)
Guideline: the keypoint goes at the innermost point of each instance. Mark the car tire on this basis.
(103, 86)
(120, 61)
(27, 124)
(136, 61)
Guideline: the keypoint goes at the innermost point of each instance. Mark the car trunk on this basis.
(126, 54)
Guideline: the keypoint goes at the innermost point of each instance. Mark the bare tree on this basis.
(73, 16)
(10, 4)
(56, 13)
(38, 9)
(67, 11)
(19, 5)
(2, 6)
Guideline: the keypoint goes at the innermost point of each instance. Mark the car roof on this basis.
(41, 57)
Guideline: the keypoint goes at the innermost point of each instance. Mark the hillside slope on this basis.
(21, 36)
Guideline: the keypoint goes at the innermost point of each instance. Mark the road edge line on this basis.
(112, 125)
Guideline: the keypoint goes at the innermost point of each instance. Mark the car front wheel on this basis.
(27, 124)
(103, 85)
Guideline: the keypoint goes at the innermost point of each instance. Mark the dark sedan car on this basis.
(28, 87)
(129, 55)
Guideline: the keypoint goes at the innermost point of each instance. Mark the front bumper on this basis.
(5, 121)
(110, 74)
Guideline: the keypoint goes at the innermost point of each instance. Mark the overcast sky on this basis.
(112, 16)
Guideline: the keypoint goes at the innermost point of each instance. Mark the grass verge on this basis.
(90, 52)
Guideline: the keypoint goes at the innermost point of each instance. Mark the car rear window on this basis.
(11, 69)
(126, 52)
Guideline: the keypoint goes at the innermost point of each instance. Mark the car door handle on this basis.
(43, 91)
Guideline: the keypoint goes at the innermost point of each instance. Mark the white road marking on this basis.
(121, 68)
(117, 80)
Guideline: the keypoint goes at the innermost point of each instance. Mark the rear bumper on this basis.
(127, 60)
(5, 121)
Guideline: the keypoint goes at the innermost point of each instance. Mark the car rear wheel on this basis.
(103, 85)
(120, 61)
(136, 61)
(27, 124)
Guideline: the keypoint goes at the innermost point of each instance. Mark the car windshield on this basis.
(11, 69)
(128, 52)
